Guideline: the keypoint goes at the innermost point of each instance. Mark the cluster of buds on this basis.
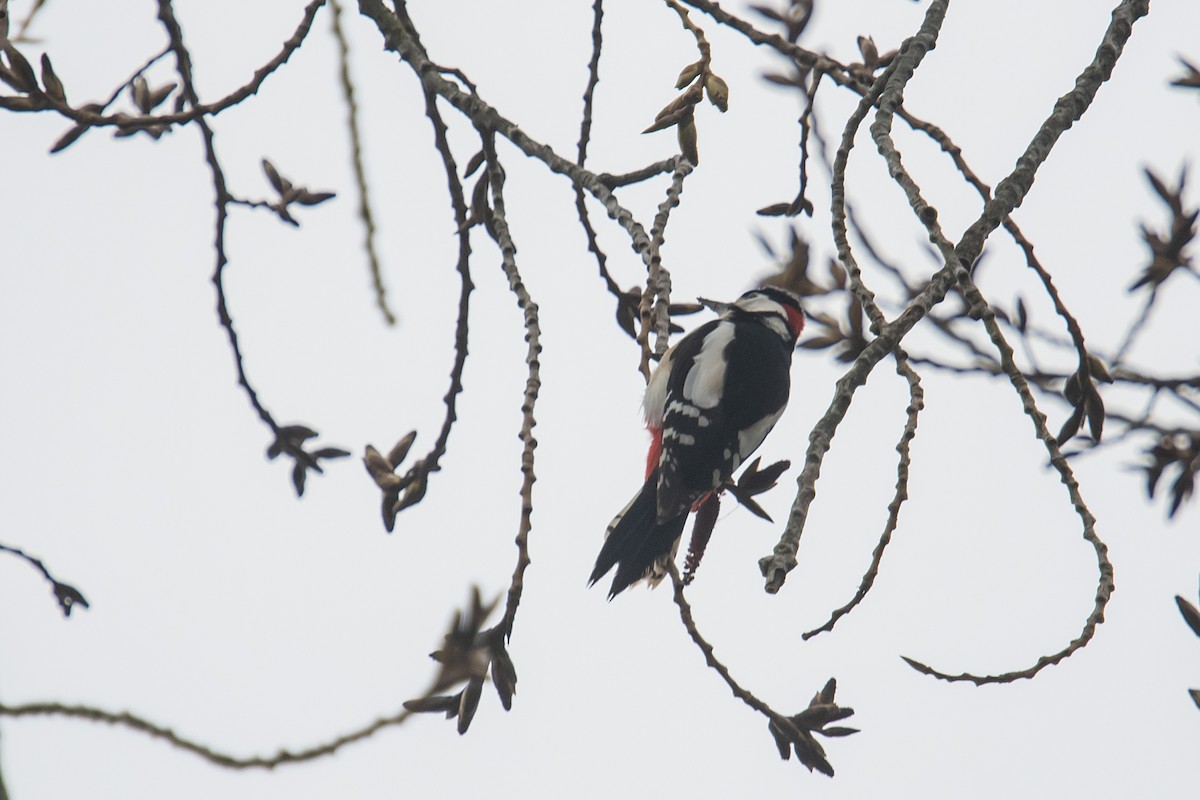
(680, 113)
(146, 99)
(1191, 615)
(290, 193)
(794, 734)
(1179, 451)
(467, 656)
(289, 440)
(1081, 392)
(399, 491)
(1168, 250)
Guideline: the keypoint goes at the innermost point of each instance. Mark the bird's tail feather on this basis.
(636, 540)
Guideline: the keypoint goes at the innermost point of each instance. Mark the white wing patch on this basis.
(705, 381)
(655, 399)
(750, 438)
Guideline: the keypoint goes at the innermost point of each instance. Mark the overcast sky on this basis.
(248, 620)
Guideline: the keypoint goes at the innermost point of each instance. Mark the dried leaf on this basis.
(475, 163)
(480, 210)
(68, 597)
(688, 74)
(812, 755)
(838, 731)
(141, 93)
(1094, 406)
(793, 81)
(297, 433)
(504, 677)
(718, 92)
(870, 53)
(1190, 79)
(21, 71)
(156, 97)
(782, 741)
(1098, 369)
(800, 205)
(1191, 615)
(1161, 189)
(400, 449)
(307, 198)
(750, 504)
(280, 183)
(1181, 490)
(1070, 427)
(438, 703)
(20, 103)
(687, 139)
(299, 474)
(68, 138)
(757, 481)
(54, 87)
(468, 704)
(664, 121)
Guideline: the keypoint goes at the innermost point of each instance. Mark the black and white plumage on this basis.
(711, 401)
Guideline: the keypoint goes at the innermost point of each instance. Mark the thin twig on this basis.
(197, 110)
(972, 242)
(658, 278)
(1105, 584)
(710, 658)
(503, 237)
(360, 172)
(221, 202)
(133, 722)
(67, 596)
(400, 37)
(585, 136)
(915, 404)
(867, 299)
(1136, 328)
(1009, 193)
(416, 479)
(783, 559)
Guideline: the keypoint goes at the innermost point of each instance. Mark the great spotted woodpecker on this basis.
(711, 401)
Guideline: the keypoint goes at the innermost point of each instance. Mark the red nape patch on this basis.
(795, 319)
(655, 449)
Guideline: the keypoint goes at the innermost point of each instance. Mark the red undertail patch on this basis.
(655, 449)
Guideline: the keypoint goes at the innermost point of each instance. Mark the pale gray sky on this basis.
(226, 609)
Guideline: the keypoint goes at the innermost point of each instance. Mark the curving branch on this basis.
(793, 734)
(585, 137)
(356, 159)
(401, 492)
(498, 227)
(1008, 195)
(124, 719)
(980, 308)
(288, 439)
(92, 116)
(776, 566)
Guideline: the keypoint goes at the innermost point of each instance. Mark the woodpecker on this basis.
(711, 401)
